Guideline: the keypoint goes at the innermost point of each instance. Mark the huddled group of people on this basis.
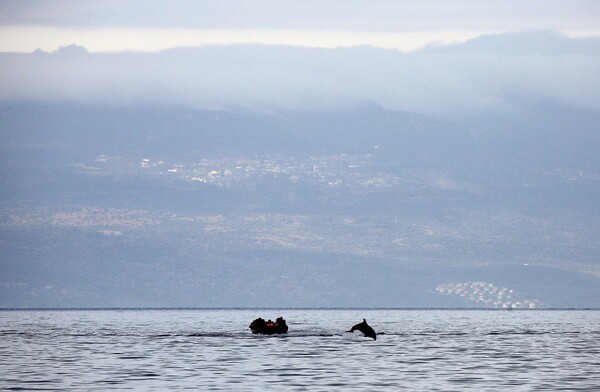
(269, 327)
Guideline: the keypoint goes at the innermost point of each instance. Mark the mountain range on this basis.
(194, 178)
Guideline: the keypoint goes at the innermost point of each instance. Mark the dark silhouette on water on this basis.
(365, 329)
(260, 326)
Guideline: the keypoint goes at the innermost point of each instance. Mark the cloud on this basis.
(356, 15)
(283, 77)
(537, 42)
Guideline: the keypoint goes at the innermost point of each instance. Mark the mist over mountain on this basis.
(251, 175)
(262, 78)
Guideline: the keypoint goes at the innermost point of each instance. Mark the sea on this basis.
(214, 350)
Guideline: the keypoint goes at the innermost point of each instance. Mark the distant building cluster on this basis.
(487, 295)
(334, 171)
(331, 170)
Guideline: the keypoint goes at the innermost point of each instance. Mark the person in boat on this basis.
(260, 326)
(282, 324)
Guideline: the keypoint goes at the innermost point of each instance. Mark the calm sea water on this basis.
(214, 350)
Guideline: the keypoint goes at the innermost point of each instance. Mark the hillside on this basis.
(146, 206)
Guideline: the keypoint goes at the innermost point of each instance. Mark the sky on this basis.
(151, 25)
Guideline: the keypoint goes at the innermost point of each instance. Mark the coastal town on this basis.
(333, 170)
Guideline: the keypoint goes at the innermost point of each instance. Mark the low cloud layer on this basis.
(478, 75)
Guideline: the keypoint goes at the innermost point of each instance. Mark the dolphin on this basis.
(365, 329)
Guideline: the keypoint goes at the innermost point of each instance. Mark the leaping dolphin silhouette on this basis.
(365, 329)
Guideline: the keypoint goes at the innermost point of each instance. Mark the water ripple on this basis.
(416, 350)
